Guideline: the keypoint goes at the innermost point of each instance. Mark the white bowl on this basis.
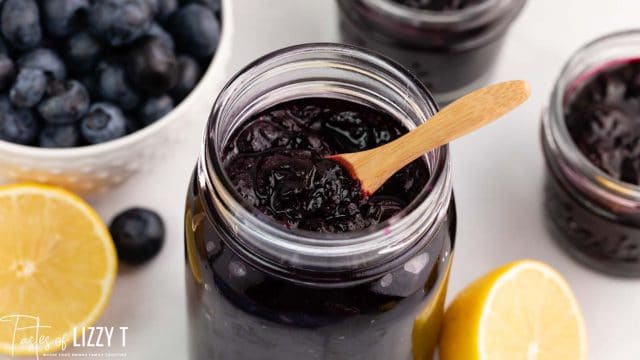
(94, 169)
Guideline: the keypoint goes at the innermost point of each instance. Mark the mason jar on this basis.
(451, 51)
(258, 291)
(592, 215)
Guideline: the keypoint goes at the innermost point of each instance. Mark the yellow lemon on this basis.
(57, 268)
(524, 310)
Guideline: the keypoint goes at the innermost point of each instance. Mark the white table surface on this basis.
(498, 176)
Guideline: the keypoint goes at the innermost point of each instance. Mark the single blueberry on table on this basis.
(18, 126)
(161, 34)
(66, 102)
(7, 71)
(82, 52)
(120, 22)
(46, 60)
(155, 108)
(188, 75)
(195, 30)
(115, 88)
(20, 23)
(138, 235)
(29, 87)
(152, 66)
(103, 123)
(62, 17)
(59, 136)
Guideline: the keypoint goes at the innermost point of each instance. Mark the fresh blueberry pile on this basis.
(82, 72)
(603, 120)
(439, 5)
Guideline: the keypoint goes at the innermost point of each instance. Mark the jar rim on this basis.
(567, 82)
(447, 17)
(304, 242)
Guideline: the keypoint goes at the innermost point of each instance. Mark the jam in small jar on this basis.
(591, 142)
(451, 45)
(286, 259)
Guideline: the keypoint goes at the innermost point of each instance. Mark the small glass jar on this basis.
(259, 291)
(594, 216)
(452, 52)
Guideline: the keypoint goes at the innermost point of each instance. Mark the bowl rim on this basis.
(216, 66)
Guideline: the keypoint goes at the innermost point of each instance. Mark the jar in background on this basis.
(593, 215)
(258, 291)
(452, 52)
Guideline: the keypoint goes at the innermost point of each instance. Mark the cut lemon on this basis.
(57, 268)
(524, 310)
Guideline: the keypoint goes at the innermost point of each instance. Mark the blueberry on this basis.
(20, 23)
(120, 22)
(104, 122)
(152, 66)
(18, 126)
(159, 32)
(29, 87)
(46, 60)
(92, 85)
(188, 75)
(62, 17)
(163, 8)
(155, 108)
(7, 71)
(195, 30)
(66, 102)
(115, 88)
(138, 235)
(59, 136)
(82, 52)
(214, 5)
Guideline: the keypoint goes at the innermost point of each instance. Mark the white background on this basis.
(498, 175)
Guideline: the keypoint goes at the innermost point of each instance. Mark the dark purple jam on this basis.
(603, 117)
(276, 161)
(439, 5)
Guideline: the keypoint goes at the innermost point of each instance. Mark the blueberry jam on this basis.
(277, 163)
(242, 307)
(439, 5)
(603, 119)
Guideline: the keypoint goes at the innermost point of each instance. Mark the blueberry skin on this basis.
(61, 17)
(114, 87)
(120, 22)
(163, 8)
(59, 136)
(20, 23)
(159, 32)
(214, 5)
(46, 60)
(188, 76)
(155, 108)
(82, 52)
(103, 123)
(66, 102)
(29, 88)
(7, 71)
(18, 126)
(195, 30)
(138, 235)
(152, 66)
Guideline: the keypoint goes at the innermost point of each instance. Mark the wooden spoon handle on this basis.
(460, 118)
(467, 114)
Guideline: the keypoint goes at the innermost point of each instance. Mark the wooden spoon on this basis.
(472, 111)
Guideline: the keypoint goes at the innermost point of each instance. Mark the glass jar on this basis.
(594, 216)
(259, 291)
(452, 52)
